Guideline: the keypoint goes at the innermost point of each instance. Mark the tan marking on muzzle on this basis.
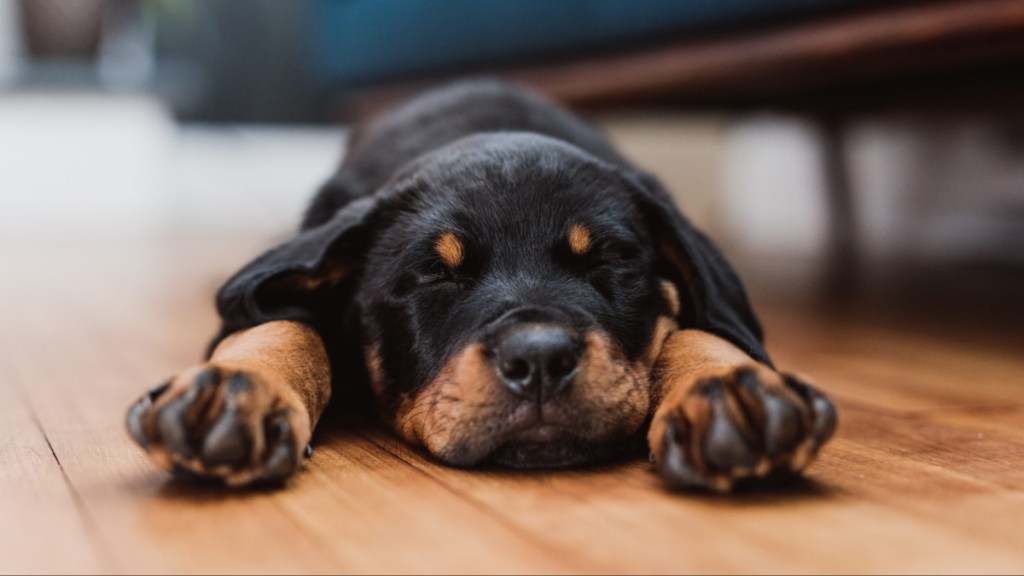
(615, 391)
(430, 416)
(464, 406)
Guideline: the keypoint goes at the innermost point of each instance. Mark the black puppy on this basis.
(512, 291)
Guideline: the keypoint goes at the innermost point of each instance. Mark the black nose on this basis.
(537, 359)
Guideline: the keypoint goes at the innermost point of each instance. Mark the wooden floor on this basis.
(926, 473)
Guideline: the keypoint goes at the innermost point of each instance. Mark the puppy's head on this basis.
(512, 293)
(510, 307)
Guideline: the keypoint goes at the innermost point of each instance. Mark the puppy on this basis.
(512, 292)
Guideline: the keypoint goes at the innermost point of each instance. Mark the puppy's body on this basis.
(517, 293)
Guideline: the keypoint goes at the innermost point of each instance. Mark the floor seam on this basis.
(89, 525)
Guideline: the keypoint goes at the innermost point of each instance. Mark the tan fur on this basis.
(671, 294)
(579, 239)
(662, 329)
(681, 263)
(690, 357)
(687, 358)
(665, 325)
(449, 248)
(612, 390)
(465, 385)
(289, 356)
(374, 369)
(288, 369)
(331, 276)
(610, 398)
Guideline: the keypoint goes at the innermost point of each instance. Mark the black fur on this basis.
(509, 172)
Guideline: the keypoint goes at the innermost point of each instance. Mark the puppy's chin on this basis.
(543, 450)
(545, 447)
(555, 453)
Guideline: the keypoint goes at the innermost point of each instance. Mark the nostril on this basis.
(515, 369)
(563, 364)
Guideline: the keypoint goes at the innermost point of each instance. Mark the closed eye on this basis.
(617, 251)
(440, 275)
(605, 253)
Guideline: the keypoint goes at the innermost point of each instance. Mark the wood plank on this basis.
(870, 362)
(343, 514)
(38, 512)
(885, 488)
(925, 474)
(43, 525)
(376, 514)
(604, 517)
(80, 394)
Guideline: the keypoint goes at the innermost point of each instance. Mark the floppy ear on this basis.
(717, 301)
(284, 282)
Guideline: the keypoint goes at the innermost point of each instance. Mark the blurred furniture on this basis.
(838, 60)
(362, 42)
(63, 29)
(858, 54)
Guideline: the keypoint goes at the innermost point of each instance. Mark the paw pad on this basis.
(747, 425)
(214, 424)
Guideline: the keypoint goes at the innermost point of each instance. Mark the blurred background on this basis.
(839, 148)
(860, 162)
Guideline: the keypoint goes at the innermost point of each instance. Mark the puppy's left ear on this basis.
(717, 302)
(284, 282)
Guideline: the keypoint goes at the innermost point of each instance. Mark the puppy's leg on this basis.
(245, 415)
(722, 417)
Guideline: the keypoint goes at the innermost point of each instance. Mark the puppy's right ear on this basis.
(717, 300)
(281, 284)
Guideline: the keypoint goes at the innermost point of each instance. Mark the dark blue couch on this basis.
(355, 42)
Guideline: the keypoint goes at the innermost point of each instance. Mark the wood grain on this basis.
(926, 473)
(38, 505)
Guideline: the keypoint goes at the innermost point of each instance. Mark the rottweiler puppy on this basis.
(511, 291)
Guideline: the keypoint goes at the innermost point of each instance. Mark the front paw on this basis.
(749, 424)
(216, 423)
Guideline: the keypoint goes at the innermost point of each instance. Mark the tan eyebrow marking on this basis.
(579, 239)
(449, 248)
